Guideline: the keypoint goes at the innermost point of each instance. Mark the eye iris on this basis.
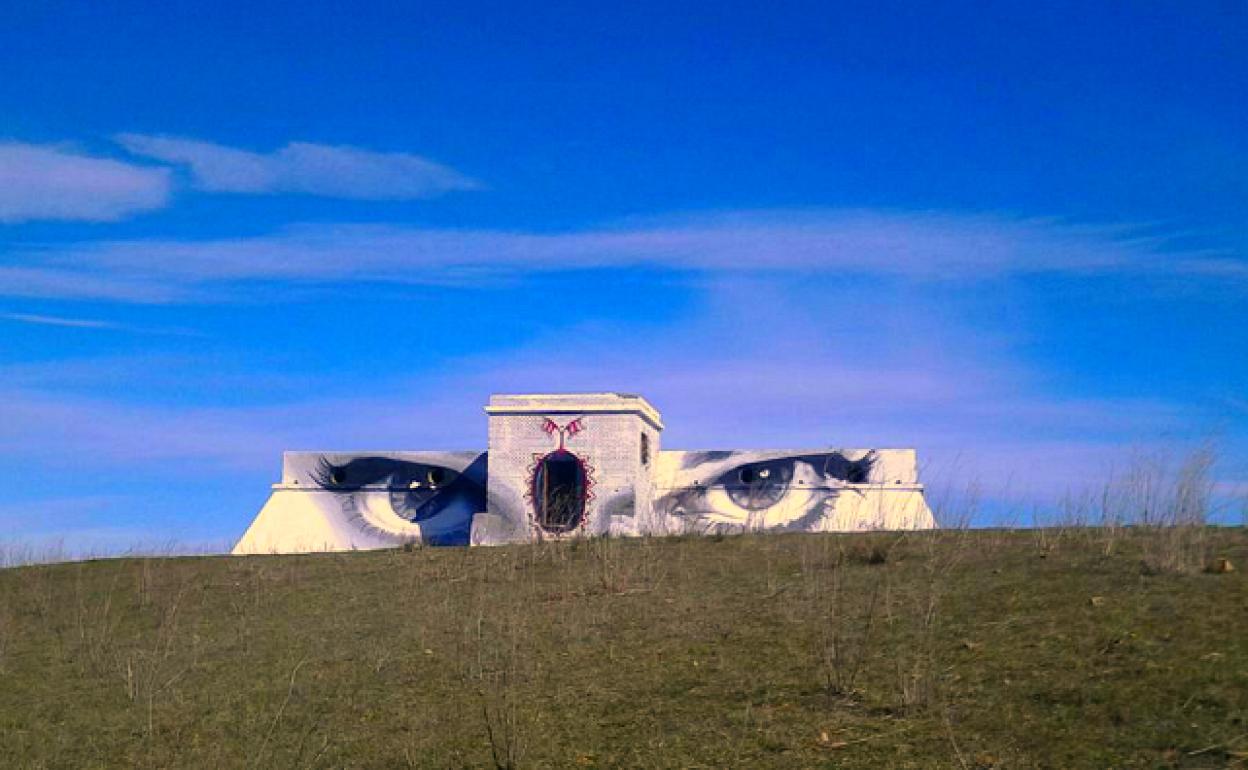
(758, 486)
(425, 495)
(337, 476)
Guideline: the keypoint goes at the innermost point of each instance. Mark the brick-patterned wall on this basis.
(610, 446)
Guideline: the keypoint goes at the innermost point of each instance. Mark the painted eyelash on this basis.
(832, 466)
(405, 502)
(350, 507)
(828, 465)
(755, 478)
(363, 471)
(837, 466)
(327, 476)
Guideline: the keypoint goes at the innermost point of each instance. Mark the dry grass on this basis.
(939, 649)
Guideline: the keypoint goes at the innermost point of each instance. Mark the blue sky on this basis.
(1015, 238)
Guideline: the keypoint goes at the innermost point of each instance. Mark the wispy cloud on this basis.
(301, 167)
(736, 376)
(51, 320)
(52, 182)
(763, 363)
(82, 282)
(1041, 443)
(916, 246)
(91, 323)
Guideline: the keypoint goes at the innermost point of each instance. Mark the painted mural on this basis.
(388, 496)
(341, 501)
(590, 466)
(728, 491)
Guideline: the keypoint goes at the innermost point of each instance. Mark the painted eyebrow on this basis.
(363, 471)
(834, 464)
(695, 459)
(714, 464)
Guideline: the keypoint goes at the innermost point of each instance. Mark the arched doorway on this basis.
(560, 484)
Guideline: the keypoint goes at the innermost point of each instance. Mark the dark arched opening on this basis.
(559, 487)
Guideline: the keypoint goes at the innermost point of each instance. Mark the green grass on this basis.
(947, 649)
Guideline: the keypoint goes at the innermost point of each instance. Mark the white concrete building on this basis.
(572, 465)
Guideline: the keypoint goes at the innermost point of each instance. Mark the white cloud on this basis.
(734, 376)
(51, 320)
(916, 246)
(77, 283)
(1036, 442)
(301, 167)
(38, 319)
(808, 367)
(49, 182)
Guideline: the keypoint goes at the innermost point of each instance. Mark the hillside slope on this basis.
(1076, 648)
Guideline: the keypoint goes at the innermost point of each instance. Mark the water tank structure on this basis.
(578, 465)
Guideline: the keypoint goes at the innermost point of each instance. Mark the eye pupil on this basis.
(337, 476)
(758, 485)
(436, 476)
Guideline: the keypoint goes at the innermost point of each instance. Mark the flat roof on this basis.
(574, 403)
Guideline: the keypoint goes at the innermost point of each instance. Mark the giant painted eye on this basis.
(758, 486)
(416, 490)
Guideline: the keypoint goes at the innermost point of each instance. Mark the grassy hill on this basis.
(1043, 648)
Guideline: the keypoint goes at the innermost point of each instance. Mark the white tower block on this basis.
(563, 465)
